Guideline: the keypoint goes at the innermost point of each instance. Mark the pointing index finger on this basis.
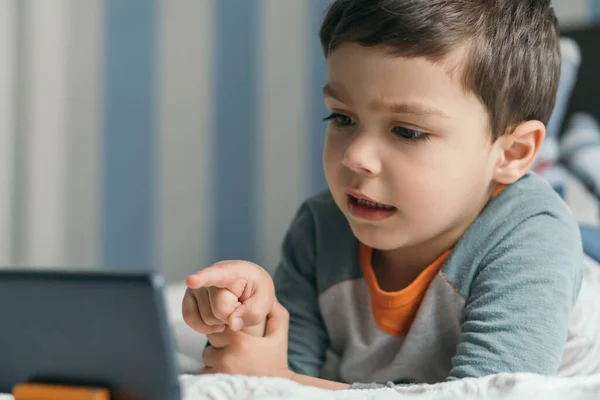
(217, 276)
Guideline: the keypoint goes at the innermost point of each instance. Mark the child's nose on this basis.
(361, 156)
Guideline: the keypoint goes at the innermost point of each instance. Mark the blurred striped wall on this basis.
(160, 134)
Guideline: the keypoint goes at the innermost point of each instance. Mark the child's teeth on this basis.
(367, 203)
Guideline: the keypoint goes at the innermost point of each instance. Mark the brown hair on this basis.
(513, 58)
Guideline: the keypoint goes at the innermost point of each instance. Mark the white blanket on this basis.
(504, 386)
(495, 387)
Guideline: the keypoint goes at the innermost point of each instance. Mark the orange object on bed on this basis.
(39, 391)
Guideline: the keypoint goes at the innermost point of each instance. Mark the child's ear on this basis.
(518, 150)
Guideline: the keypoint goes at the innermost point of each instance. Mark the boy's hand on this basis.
(254, 356)
(237, 294)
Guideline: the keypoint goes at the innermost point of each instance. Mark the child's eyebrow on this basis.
(408, 108)
(413, 108)
(330, 91)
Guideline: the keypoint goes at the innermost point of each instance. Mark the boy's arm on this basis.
(296, 289)
(319, 383)
(516, 316)
(517, 312)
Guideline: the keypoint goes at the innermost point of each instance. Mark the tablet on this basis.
(104, 329)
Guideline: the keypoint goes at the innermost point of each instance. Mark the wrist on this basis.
(292, 376)
(318, 382)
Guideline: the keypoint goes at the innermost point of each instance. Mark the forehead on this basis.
(365, 75)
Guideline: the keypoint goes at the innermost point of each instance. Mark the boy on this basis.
(434, 254)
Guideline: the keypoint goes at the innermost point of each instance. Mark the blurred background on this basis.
(167, 135)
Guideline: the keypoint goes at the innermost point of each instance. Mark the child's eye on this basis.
(410, 134)
(340, 119)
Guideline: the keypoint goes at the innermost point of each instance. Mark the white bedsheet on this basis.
(504, 386)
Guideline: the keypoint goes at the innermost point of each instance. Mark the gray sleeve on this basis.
(296, 289)
(516, 316)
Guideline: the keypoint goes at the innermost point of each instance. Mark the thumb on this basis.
(252, 312)
(278, 321)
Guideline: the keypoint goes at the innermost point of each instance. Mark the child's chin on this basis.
(377, 238)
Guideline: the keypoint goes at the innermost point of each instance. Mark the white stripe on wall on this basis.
(46, 113)
(284, 80)
(7, 125)
(184, 145)
(84, 71)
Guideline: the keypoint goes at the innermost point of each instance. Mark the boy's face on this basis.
(405, 134)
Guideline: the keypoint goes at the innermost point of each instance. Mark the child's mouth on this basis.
(369, 210)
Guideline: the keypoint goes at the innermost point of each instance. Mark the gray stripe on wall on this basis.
(19, 187)
(284, 122)
(128, 134)
(47, 112)
(235, 131)
(8, 51)
(84, 66)
(184, 140)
